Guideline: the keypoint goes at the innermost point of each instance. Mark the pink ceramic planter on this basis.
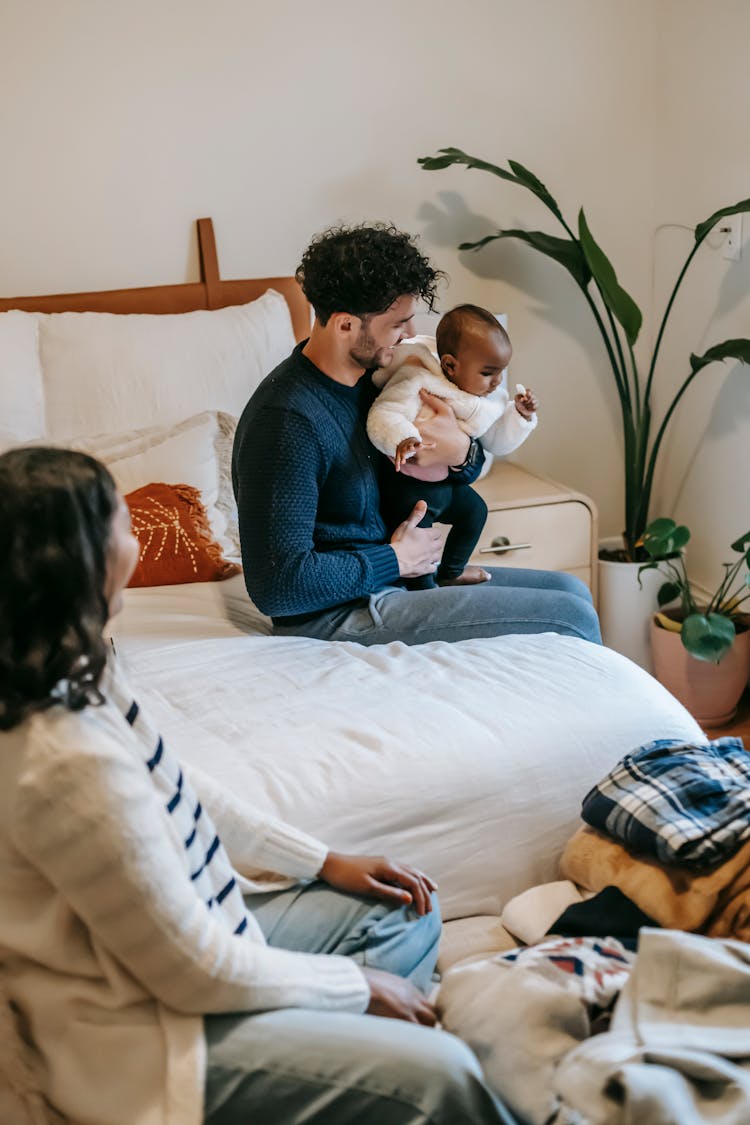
(710, 692)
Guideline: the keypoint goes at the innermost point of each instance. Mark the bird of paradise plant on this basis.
(618, 319)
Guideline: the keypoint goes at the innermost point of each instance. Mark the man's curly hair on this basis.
(363, 269)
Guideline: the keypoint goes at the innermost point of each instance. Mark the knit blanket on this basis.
(522, 1012)
(680, 803)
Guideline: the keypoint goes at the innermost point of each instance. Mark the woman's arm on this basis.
(256, 842)
(88, 819)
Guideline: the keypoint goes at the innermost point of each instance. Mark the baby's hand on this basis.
(404, 450)
(526, 402)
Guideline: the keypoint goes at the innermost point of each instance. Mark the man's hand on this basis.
(418, 549)
(379, 877)
(397, 998)
(443, 440)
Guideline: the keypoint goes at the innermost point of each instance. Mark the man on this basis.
(316, 552)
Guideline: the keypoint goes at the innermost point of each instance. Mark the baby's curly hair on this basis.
(363, 269)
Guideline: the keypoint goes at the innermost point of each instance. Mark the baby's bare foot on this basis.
(472, 576)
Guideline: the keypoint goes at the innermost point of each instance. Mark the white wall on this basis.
(703, 164)
(120, 123)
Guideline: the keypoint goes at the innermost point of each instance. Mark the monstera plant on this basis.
(618, 320)
(706, 631)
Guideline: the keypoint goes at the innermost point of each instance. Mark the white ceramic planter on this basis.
(625, 607)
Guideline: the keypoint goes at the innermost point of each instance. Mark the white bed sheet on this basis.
(469, 760)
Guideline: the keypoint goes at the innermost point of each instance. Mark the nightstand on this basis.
(537, 523)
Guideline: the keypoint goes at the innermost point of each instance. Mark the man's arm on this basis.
(279, 471)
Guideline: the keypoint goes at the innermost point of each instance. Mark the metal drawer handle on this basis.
(500, 544)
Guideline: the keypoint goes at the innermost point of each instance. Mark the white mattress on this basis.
(469, 760)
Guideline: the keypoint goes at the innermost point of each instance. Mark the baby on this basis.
(473, 350)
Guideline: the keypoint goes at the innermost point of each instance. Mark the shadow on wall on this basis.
(730, 415)
(556, 300)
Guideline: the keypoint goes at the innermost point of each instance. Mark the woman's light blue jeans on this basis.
(513, 601)
(301, 1067)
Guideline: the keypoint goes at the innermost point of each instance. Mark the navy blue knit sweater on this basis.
(306, 481)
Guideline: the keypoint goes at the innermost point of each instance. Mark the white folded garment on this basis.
(528, 916)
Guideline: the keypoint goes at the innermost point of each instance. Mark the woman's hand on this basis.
(379, 877)
(397, 998)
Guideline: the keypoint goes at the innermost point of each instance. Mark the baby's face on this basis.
(478, 366)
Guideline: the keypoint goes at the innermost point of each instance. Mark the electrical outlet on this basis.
(731, 247)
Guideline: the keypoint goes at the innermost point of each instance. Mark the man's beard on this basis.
(366, 354)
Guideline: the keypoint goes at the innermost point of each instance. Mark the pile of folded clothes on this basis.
(669, 828)
(578, 1028)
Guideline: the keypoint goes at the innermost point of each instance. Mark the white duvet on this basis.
(469, 760)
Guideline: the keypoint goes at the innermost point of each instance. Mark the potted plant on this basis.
(618, 320)
(701, 652)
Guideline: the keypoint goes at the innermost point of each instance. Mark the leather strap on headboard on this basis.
(208, 293)
(209, 263)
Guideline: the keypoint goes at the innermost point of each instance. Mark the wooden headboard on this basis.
(208, 293)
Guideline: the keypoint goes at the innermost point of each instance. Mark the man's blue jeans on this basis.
(513, 601)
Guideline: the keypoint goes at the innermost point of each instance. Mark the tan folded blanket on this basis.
(716, 903)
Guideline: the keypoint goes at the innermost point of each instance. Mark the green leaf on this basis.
(663, 537)
(530, 181)
(619, 303)
(662, 526)
(435, 163)
(448, 156)
(742, 543)
(736, 209)
(565, 251)
(730, 349)
(708, 637)
(668, 592)
(480, 242)
(519, 175)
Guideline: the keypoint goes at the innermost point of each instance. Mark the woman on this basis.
(156, 980)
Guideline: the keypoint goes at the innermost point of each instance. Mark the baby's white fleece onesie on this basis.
(398, 409)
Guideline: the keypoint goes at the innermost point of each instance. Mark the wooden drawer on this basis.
(558, 524)
(558, 537)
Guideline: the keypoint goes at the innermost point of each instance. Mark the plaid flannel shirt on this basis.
(679, 803)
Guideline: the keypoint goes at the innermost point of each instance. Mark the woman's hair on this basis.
(363, 269)
(56, 510)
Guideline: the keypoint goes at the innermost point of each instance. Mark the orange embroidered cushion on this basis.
(171, 525)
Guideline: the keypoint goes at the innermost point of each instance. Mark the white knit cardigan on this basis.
(397, 411)
(106, 950)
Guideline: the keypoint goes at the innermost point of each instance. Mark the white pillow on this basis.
(21, 395)
(184, 454)
(107, 372)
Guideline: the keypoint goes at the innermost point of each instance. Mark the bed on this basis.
(469, 760)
